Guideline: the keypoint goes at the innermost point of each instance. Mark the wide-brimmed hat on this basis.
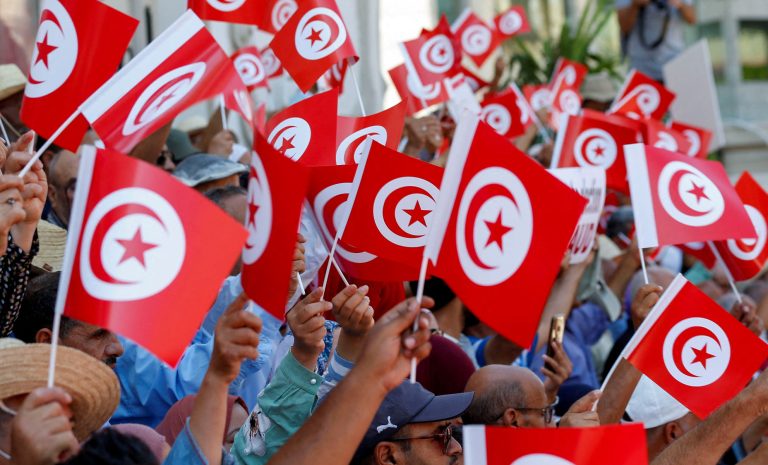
(53, 240)
(93, 386)
(12, 80)
(202, 167)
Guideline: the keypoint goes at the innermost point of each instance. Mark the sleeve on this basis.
(587, 323)
(185, 450)
(14, 276)
(337, 370)
(283, 406)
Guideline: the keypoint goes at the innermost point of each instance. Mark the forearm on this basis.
(688, 13)
(560, 301)
(755, 433)
(349, 345)
(615, 397)
(23, 235)
(620, 278)
(627, 18)
(150, 147)
(208, 420)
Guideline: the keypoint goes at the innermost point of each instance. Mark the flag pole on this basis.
(48, 143)
(54, 347)
(328, 266)
(642, 263)
(357, 87)
(301, 283)
(224, 125)
(419, 297)
(728, 274)
(5, 133)
(338, 270)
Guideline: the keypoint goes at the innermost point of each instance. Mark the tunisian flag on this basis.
(392, 197)
(745, 258)
(478, 40)
(566, 93)
(384, 127)
(512, 22)
(698, 137)
(248, 64)
(142, 256)
(272, 65)
(79, 45)
(495, 232)
(434, 55)
(240, 101)
(603, 445)
(412, 91)
(272, 219)
(656, 134)
(595, 140)
(230, 11)
(181, 67)
(275, 13)
(312, 40)
(642, 98)
(694, 350)
(678, 199)
(328, 197)
(504, 114)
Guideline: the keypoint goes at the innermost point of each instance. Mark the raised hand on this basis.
(556, 370)
(308, 326)
(41, 432)
(236, 338)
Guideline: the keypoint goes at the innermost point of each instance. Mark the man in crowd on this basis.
(62, 180)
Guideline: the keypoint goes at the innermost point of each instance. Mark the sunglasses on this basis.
(448, 433)
(547, 412)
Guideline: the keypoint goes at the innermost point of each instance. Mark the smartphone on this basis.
(556, 331)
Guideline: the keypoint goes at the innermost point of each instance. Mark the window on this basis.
(753, 50)
(714, 36)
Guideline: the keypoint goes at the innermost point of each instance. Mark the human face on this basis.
(534, 413)
(63, 180)
(97, 342)
(426, 444)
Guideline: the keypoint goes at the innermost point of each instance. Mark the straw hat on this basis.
(53, 241)
(12, 80)
(93, 385)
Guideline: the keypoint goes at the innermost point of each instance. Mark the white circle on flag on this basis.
(331, 211)
(250, 69)
(291, 137)
(695, 140)
(133, 246)
(436, 55)
(570, 102)
(494, 226)
(476, 39)
(282, 12)
(270, 61)
(540, 99)
(647, 98)
(55, 52)
(497, 117)
(350, 150)
(541, 459)
(423, 92)
(162, 95)
(750, 249)
(595, 147)
(696, 352)
(401, 208)
(320, 33)
(666, 141)
(258, 216)
(689, 196)
(510, 23)
(525, 111)
(226, 5)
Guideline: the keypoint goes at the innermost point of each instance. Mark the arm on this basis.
(308, 326)
(151, 146)
(617, 392)
(33, 193)
(41, 432)
(758, 457)
(628, 15)
(627, 267)
(561, 297)
(352, 310)
(687, 11)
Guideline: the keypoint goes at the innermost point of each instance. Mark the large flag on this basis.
(312, 40)
(412, 91)
(566, 93)
(657, 134)
(595, 140)
(590, 183)
(248, 64)
(181, 67)
(678, 199)
(504, 114)
(694, 350)
(142, 256)
(512, 22)
(392, 197)
(306, 131)
(79, 45)
(699, 138)
(230, 11)
(478, 40)
(642, 98)
(384, 127)
(275, 13)
(604, 445)
(272, 220)
(329, 204)
(495, 231)
(434, 55)
(745, 258)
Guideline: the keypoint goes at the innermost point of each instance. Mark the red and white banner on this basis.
(595, 140)
(248, 64)
(313, 40)
(275, 13)
(478, 40)
(658, 135)
(306, 131)
(433, 56)
(699, 138)
(603, 445)
(137, 243)
(494, 231)
(230, 11)
(502, 112)
(694, 350)
(392, 197)
(272, 65)
(416, 95)
(384, 127)
(642, 98)
(678, 199)
(181, 67)
(272, 219)
(745, 258)
(78, 46)
(565, 88)
(590, 183)
(512, 22)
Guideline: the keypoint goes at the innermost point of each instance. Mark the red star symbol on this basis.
(252, 209)
(135, 247)
(286, 143)
(442, 52)
(701, 356)
(496, 231)
(314, 36)
(417, 214)
(43, 50)
(599, 151)
(698, 191)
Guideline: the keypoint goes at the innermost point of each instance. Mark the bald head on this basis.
(656, 275)
(498, 388)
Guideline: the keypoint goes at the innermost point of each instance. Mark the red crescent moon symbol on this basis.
(47, 15)
(328, 20)
(280, 133)
(428, 53)
(100, 232)
(390, 206)
(674, 194)
(482, 195)
(682, 339)
(328, 211)
(152, 100)
(349, 154)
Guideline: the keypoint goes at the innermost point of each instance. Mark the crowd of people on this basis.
(329, 384)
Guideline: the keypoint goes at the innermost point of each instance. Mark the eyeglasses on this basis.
(448, 433)
(547, 412)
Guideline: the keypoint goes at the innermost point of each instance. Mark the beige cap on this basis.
(652, 406)
(12, 80)
(53, 241)
(599, 87)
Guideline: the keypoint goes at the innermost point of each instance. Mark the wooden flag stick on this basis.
(357, 87)
(727, 272)
(48, 143)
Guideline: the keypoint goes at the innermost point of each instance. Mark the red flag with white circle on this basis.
(701, 252)
(495, 232)
(78, 46)
(642, 98)
(503, 113)
(678, 199)
(434, 55)
(657, 134)
(384, 127)
(248, 64)
(229, 11)
(272, 65)
(412, 91)
(335, 75)
(275, 14)
(699, 138)
(137, 246)
(240, 101)
(478, 40)
(565, 90)
(694, 350)
(512, 22)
